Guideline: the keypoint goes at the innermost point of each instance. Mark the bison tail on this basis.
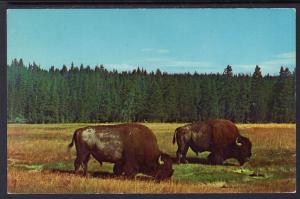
(174, 136)
(72, 143)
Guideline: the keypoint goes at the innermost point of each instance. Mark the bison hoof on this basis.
(216, 163)
(183, 161)
(117, 170)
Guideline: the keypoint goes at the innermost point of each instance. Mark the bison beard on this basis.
(131, 147)
(220, 137)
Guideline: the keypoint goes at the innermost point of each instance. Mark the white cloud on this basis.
(147, 49)
(162, 51)
(288, 55)
(165, 64)
(270, 66)
(119, 67)
(171, 62)
(189, 63)
(172, 65)
(181, 66)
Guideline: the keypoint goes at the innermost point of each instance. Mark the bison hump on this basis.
(224, 133)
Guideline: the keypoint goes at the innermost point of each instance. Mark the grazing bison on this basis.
(220, 137)
(131, 147)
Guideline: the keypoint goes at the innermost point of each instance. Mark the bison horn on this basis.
(237, 142)
(159, 160)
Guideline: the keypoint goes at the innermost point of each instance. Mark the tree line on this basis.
(83, 94)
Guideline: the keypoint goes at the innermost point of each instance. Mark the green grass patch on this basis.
(33, 167)
(203, 173)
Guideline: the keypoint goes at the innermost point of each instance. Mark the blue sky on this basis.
(174, 40)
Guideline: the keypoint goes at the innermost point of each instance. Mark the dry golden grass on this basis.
(65, 183)
(38, 162)
(268, 125)
(49, 182)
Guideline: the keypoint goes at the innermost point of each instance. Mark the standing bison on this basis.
(131, 147)
(220, 137)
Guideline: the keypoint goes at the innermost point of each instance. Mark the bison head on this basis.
(242, 149)
(164, 170)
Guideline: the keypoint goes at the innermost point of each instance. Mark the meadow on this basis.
(38, 162)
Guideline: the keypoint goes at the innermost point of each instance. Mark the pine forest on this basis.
(85, 94)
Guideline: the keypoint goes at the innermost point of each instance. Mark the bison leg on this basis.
(181, 151)
(81, 160)
(77, 164)
(85, 164)
(185, 150)
(216, 157)
(118, 169)
(130, 170)
(181, 154)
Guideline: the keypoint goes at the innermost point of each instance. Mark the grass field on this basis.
(38, 162)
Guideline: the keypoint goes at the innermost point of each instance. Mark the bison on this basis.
(220, 137)
(131, 147)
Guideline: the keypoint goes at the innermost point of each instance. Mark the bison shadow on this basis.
(195, 160)
(61, 171)
(102, 174)
(192, 160)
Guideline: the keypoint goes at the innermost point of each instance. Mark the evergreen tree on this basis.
(213, 110)
(284, 98)
(170, 100)
(154, 108)
(242, 101)
(227, 92)
(256, 102)
(228, 71)
(64, 70)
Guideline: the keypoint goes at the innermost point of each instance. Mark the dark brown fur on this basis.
(139, 154)
(216, 136)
